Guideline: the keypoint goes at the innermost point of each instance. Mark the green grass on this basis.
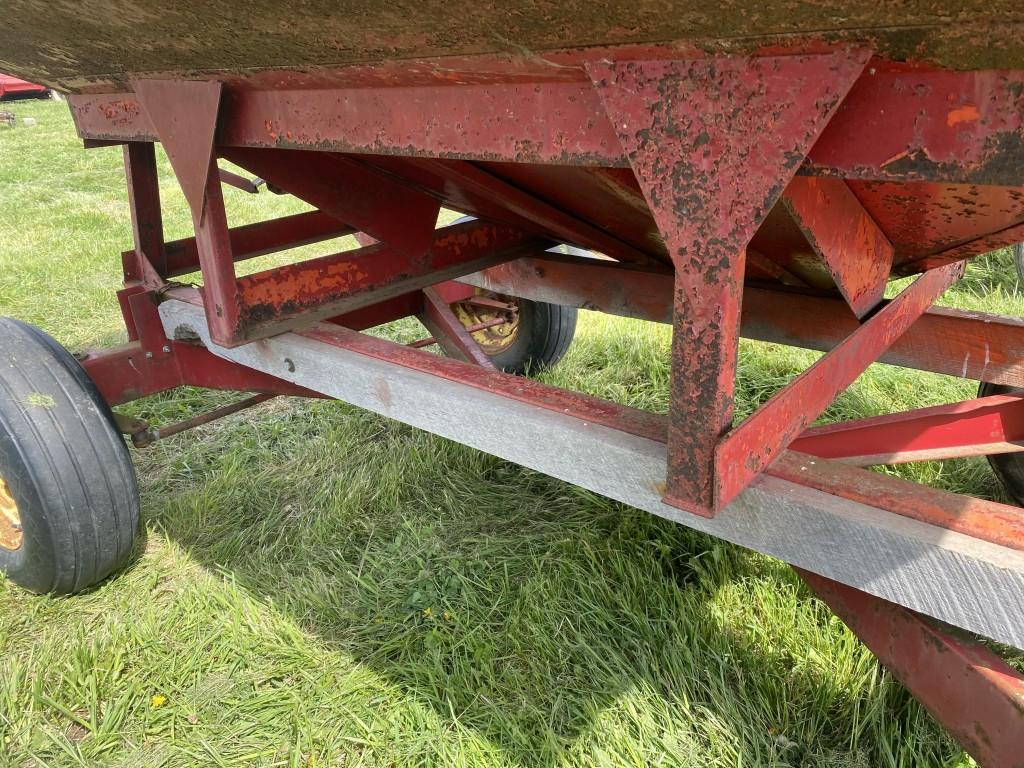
(318, 586)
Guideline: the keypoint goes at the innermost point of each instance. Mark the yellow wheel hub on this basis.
(493, 321)
(10, 519)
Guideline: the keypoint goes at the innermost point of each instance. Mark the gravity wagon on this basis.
(737, 169)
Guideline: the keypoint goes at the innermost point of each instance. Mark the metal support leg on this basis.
(184, 114)
(221, 294)
(150, 263)
(737, 130)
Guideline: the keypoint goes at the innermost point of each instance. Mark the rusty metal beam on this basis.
(184, 114)
(285, 297)
(897, 124)
(969, 689)
(130, 372)
(955, 342)
(549, 123)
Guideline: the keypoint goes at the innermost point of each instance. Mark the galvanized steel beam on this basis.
(956, 578)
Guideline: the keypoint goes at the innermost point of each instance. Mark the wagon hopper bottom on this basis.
(772, 193)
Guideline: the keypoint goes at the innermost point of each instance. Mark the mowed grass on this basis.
(318, 586)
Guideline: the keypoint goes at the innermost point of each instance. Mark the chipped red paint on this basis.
(752, 446)
(184, 115)
(286, 297)
(713, 143)
(960, 127)
(924, 218)
(856, 252)
(532, 122)
(966, 686)
(898, 124)
(1001, 239)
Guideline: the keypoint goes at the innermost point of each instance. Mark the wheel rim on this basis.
(10, 519)
(493, 327)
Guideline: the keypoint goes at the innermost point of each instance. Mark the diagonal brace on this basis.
(449, 332)
(751, 447)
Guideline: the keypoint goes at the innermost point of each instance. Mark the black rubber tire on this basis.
(544, 335)
(1008, 467)
(65, 465)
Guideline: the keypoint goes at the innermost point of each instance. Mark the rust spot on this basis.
(965, 114)
(383, 390)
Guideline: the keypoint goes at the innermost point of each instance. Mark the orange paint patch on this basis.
(965, 114)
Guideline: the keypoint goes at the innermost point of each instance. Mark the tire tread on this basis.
(74, 461)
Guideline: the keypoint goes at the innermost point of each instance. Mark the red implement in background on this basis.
(13, 87)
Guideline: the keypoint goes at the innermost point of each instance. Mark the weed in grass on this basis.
(322, 587)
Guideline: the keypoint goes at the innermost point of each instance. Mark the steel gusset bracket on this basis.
(713, 143)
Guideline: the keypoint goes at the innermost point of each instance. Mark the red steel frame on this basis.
(713, 144)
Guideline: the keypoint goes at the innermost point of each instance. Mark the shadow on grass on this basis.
(521, 608)
(532, 614)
